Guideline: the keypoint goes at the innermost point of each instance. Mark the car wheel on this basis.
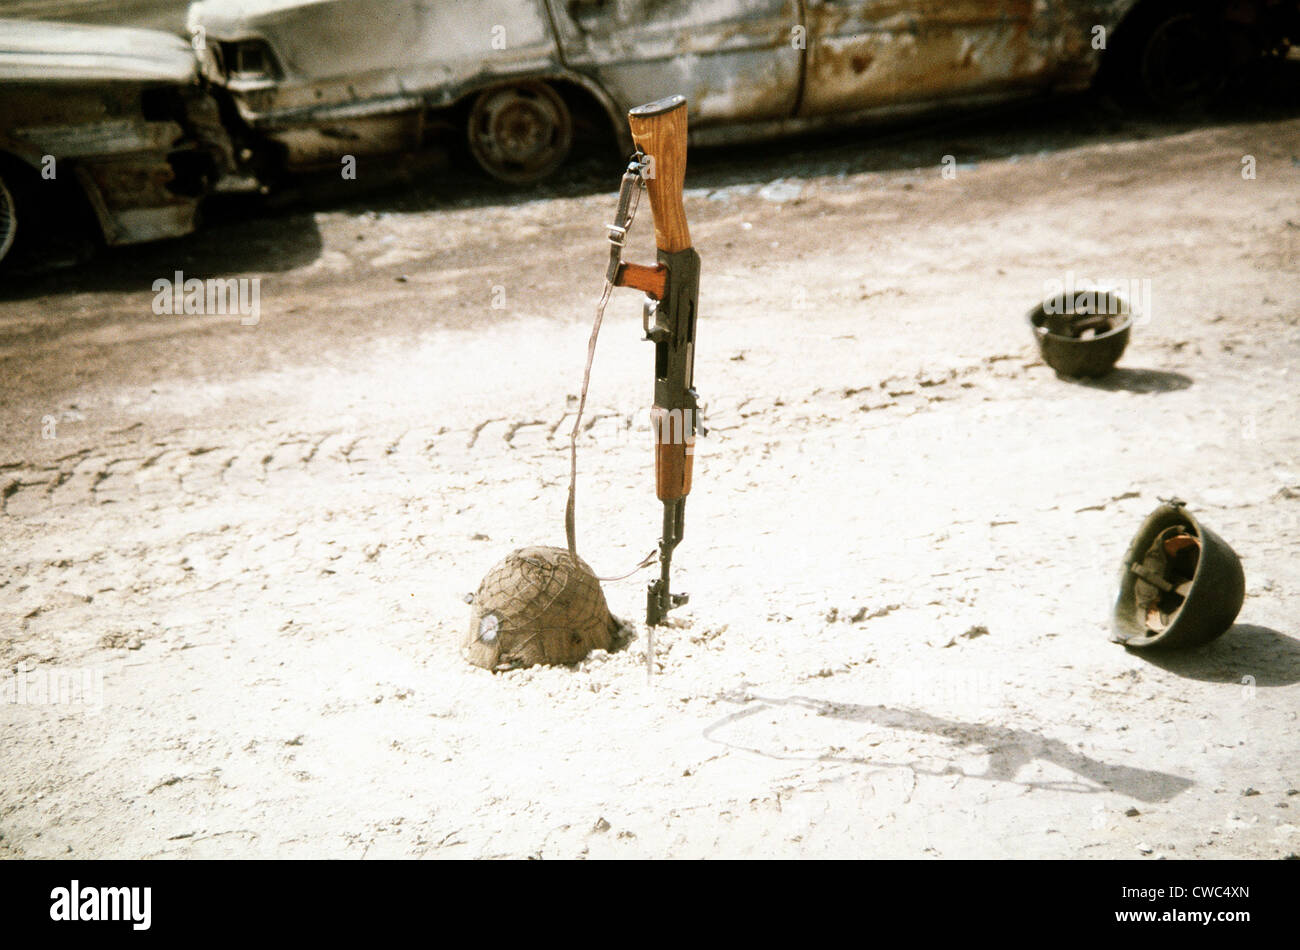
(521, 133)
(1178, 60)
(8, 218)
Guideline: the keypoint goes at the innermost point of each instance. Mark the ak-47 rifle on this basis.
(672, 289)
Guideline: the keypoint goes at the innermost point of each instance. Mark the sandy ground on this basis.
(901, 549)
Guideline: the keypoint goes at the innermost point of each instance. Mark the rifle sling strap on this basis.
(629, 196)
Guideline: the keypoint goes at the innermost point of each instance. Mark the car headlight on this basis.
(248, 60)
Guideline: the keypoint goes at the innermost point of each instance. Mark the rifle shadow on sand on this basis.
(1008, 749)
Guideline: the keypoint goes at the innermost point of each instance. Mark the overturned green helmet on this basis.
(1181, 585)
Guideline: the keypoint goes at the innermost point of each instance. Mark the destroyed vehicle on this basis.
(103, 131)
(322, 83)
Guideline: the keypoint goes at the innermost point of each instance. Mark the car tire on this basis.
(1169, 56)
(519, 133)
(8, 217)
(44, 224)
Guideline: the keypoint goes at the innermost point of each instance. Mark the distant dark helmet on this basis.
(538, 605)
(1082, 337)
(1180, 584)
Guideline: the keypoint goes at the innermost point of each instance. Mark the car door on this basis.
(734, 60)
(865, 54)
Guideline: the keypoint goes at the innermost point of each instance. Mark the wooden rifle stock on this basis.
(659, 131)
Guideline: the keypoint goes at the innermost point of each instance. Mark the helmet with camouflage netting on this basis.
(538, 605)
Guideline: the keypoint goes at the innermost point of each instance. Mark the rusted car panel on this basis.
(329, 77)
(117, 111)
(877, 52)
(66, 53)
(324, 71)
(734, 60)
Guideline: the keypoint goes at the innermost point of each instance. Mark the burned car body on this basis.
(104, 124)
(313, 81)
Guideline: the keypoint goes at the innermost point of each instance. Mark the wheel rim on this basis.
(520, 134)
(1174, 64)
(8, 219)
